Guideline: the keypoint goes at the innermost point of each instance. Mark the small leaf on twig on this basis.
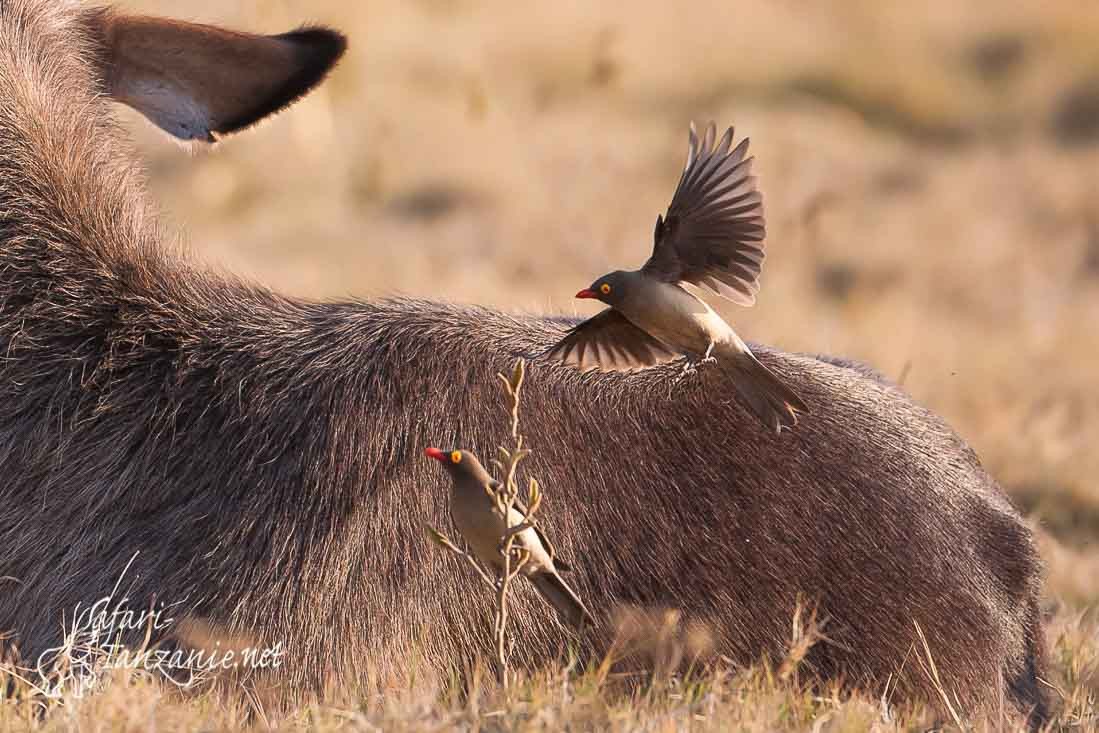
(517, 374)
(436, 536)
(534, 496)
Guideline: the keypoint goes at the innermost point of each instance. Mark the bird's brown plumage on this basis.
(610, 342)
(712, 235)
(479, 519)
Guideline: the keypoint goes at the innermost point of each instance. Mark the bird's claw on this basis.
(691, 366)
(688, 369)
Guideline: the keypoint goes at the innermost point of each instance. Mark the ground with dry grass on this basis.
(766, 697)
(931, 179)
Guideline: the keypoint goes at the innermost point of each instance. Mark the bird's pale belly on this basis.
(483, 528)
(682, 321)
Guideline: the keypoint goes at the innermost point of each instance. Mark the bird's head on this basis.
(456, 461)
(609, 289)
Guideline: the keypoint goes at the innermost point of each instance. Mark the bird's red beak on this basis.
(586, 293)
(435, 453)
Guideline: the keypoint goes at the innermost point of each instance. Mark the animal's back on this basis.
(872, 507)
(266, 512)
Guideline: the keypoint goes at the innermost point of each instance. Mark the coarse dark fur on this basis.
(263, 455)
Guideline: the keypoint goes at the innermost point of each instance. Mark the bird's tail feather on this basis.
(776, 405)
(563, 599)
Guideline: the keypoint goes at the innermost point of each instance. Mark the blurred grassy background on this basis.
(931, 178)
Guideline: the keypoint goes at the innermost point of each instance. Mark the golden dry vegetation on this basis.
(931, 177)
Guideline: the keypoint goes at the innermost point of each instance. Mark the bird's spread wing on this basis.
(609, 342)
(713, 233)
(521, 507)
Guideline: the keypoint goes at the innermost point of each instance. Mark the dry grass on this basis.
(932, 185)
(662, 686)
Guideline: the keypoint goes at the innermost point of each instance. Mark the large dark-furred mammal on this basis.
(259, 458)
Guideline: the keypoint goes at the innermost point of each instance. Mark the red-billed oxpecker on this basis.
(711, 237)
(480, 521)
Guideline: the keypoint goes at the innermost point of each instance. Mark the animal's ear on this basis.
(197, 81)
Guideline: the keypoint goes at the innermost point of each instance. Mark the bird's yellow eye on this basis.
(605, 289)
(456, 456)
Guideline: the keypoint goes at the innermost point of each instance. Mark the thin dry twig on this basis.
(443, 541)
(514, 558)
(505, 498)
